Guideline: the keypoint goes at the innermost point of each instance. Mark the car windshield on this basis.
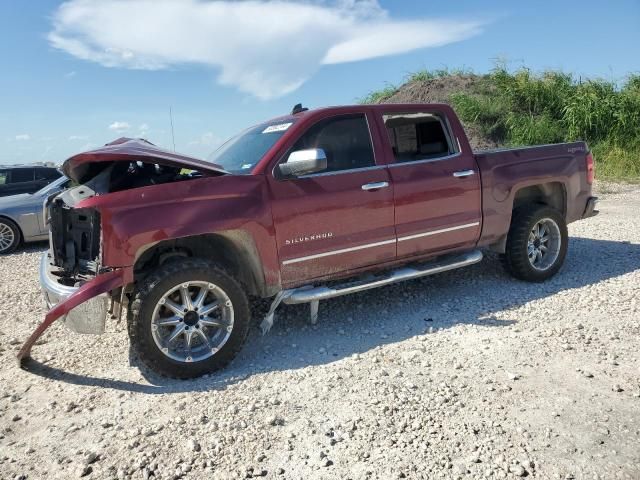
(57, 184)
(242, 152)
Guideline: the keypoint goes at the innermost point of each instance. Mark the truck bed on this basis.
(557, 168)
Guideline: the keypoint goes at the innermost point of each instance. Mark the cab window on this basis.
(3, 177)
(345, 140)
(21, 175)
(47, 174)
(417, 136)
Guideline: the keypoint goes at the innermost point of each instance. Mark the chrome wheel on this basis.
(7, 237)
(544, 243)
(192, 321)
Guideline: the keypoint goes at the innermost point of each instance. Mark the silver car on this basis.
(22, 219)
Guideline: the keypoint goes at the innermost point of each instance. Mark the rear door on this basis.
(436, 185)
(340, 219)
(20, 180)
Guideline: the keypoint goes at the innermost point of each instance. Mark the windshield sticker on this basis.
(247, 166)
(281, 127)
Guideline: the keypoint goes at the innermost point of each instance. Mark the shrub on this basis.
(520, 108)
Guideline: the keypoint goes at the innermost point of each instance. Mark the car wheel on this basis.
(536, 244)
(10, 236)
(188, 318)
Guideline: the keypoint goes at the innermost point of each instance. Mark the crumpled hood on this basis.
(133, 150)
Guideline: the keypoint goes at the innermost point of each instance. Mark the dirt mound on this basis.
(439, 90)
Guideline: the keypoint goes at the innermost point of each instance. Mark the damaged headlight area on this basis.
(75, 238)
(73, 259)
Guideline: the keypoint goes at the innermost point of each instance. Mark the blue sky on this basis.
(78, 74)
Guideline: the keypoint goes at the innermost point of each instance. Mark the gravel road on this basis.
(468, 374)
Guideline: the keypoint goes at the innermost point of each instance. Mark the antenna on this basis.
(173, 138)
(298, 109)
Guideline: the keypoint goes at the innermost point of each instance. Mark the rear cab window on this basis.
(418, 136)
(4, 177)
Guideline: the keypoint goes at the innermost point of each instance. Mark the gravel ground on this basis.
(468, 374)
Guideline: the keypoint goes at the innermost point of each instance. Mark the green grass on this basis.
(614, 162)
(522, 107)
(424, 75)
(379, 96)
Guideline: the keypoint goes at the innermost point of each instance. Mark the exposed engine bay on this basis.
(109, 177)
(76, 232)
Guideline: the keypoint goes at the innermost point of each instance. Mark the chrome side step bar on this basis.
(311, 294)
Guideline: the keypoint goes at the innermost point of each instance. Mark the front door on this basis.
(436, 186)
(340, 219)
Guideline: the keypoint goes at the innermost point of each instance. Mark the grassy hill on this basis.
(505, 108)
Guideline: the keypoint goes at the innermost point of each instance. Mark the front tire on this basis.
(10, 236)
(536, 244)
(188, 318)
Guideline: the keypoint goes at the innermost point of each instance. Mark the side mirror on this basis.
(304, 162)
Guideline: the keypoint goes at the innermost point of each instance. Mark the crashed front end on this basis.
(78, 288)
(73, 259)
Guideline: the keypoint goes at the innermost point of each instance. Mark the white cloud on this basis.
(398, 37)
(78, 137)
(23, 137)
(119, 126)
(69, 74)
(266, 48)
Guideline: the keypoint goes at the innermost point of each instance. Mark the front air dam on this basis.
(103, 283)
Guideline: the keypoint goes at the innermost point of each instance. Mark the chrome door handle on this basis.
(375, 186)
(463, 173)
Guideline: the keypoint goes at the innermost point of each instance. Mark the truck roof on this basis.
(372, 107)
(300, 113)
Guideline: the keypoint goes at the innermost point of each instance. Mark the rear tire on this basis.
(188, 318)
(536, 244)
(10, 236)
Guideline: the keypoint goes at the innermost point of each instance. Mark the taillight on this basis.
(590, 171)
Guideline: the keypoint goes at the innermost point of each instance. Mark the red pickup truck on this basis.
(305, 207)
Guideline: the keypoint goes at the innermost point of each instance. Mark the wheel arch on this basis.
(234, 250)
(552, 194)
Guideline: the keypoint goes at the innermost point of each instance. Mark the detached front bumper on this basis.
(88, 317)
(83, 308)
